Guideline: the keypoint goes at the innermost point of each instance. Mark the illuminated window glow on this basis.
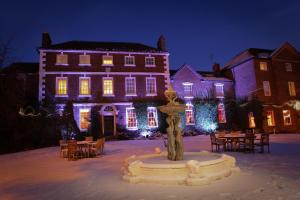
(84, 60)
(251, 120)
(188, 89)
(129, 61)
(107, 60)
(266, 87)
(61, 86)
(287, 120)
(151, 86)
(149, 61)
(61, 59)
(270, 118)
(108, 89)
(131, 121)
(292, 90)
(189, 115)
(84, 86)
(84, 115)
(221, 113)
(130, 86)
(152, 117)
(219, 90)
(263, 66)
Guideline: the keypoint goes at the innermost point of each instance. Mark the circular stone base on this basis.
(197, 168)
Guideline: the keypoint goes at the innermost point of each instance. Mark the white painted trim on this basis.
(41, 76)
(148, 57)
(155, 86)
(129, 65)
(130, 94)
(110, 73)
(107, 56)
(84, 64)
(56, 87)
(130, 128)
(155, 115)
(187, 83)
(79, 84)
(110, 52)
(108, 95)
(62, 64)
(99, 104)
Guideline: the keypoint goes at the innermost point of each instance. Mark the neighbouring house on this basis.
(273, 77)
(105, 78)
(207, 88)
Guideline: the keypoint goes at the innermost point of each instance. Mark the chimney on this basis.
(46, 40)
(216, 69)
(161, 43)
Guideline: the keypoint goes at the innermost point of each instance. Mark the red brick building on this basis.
(106, 76)
(273, 76)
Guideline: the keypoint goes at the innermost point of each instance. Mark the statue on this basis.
(172, 109)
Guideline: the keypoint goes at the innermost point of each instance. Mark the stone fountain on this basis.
(176, 166)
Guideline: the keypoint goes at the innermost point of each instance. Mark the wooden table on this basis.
(233, 139)
(85, 146)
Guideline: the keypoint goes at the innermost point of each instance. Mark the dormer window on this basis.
(219, 90)
(188, 89)
(84, 60)
(107, 60)
(288, 67)
(129, 61)
(61, 59)
(150, 61)
(263, 66)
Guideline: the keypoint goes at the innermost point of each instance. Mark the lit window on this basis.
(219, 90)
(61, 59)
(288, 67)
(61, 86)
(188, 89)
(152, 117)
(287, 120)
(270, 118)
(221, 113)
(84, 60)
(130, 86)
(263, 66)
(251, 120)
(108, 89)
(84, 118)
(129, 61)
(292, 89)
(189, 115)
(266, 87)
(84, 86)
(150, 61)
(107, 60)
(131, 122)
(150, 86)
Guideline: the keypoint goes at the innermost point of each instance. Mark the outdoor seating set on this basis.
(73, 150)
(238, 141)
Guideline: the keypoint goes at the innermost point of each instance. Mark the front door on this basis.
(108, 125)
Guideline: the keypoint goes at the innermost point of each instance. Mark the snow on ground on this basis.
(41, 174)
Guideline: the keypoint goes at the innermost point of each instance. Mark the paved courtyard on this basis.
(41, 174)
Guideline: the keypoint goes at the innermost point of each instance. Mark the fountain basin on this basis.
(197, 168)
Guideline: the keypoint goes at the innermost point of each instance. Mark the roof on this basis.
(103, 46)
(21, 67)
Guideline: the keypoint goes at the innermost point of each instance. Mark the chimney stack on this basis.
(161, 43)
(46, 40)
(216, 69)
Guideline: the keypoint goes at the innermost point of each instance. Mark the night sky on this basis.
(197, 32)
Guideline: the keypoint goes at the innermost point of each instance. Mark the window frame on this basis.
(219, 85)
(106, 56)
(60, 63)
(288, 67)
(292, 88)
(189, 108)
(127, 118)
(270, 113)
(129, 65)
(266, 84)
(89, 89)
(263, 68)
(221, 112)
(155, 86)
(284, 117)
(188, 94)
(84, 64)
(56, 87)
(103, 80)
(150, 65)
(154, 117)
(80, 122)
(126, 86)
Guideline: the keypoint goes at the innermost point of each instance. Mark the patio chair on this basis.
(264, 141)
(63, 148)
(247, 143)
(89, 138)
(98, 148)
(217, 142)
(73, 152)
